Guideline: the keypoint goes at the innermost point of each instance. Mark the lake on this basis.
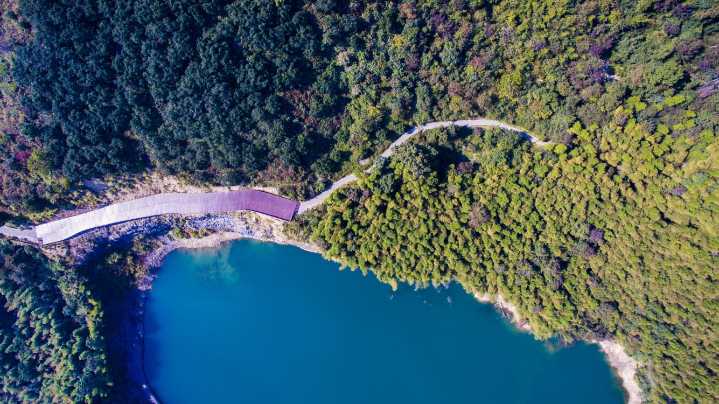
(256, 322)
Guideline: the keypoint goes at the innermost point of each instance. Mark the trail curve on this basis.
(468, 123)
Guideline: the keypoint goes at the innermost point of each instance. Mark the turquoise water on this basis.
(263, 323)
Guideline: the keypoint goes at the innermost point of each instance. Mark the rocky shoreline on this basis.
(244, 225)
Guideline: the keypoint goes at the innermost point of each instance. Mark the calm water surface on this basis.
(263, 323)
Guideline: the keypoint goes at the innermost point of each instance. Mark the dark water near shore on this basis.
(263, 323)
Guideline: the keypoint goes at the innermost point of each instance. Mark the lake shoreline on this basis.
(268, 229)
(623, 365)
(136, 347)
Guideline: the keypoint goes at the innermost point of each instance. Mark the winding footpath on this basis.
(470, 123)
(218, 202)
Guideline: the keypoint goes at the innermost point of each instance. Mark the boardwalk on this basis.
(161, 204)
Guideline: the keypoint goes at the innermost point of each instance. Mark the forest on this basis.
(587, 245)
(51, 345)
(293, 93)
(610, 232)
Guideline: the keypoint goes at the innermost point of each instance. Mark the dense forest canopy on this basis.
(216, 89)
(51, 347)
(291, 92)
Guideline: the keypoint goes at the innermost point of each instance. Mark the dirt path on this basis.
(468, 123)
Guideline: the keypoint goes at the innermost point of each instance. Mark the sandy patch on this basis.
(506, 307)
(624, 365)
(626, 368)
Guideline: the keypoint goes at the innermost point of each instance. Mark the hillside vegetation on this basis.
(289, 93)
(51, 346)
(613, 232)
(586, 245)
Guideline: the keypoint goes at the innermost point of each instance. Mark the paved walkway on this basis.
(469, 123)
(160, 204)
(20, 234)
